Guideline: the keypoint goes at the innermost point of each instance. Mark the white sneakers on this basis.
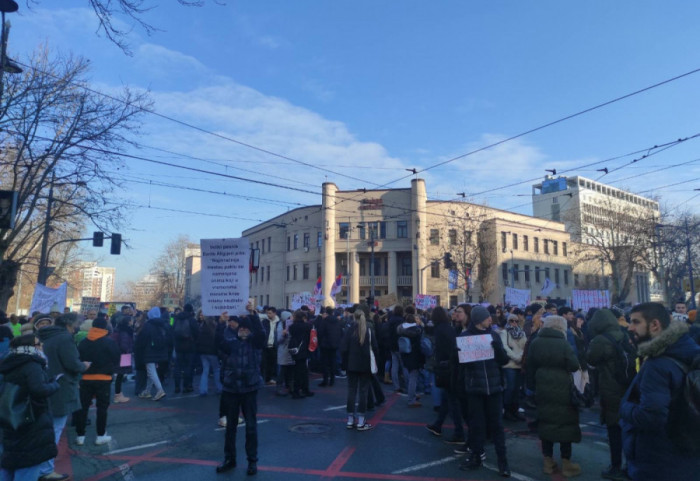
(80, 440)
(100, 440)
(120, 398)
(222, 421)
(159, 395)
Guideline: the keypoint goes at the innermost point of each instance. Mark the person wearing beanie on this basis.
(550, 364)
(482, 384)
(99, 351)
(154, 345)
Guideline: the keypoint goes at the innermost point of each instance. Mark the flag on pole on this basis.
(547, 287)
(318, 288)
(337, 285)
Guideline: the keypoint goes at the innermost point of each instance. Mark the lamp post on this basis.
(43, 260)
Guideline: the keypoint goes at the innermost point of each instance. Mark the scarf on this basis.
(515, 331)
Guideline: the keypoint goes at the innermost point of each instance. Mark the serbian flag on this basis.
(337, 285)
(318, 288)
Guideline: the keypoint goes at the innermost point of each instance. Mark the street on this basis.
(178, 438)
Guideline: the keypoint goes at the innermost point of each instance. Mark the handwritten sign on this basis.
(387, 301)
(225, 275)
(475, 348)
(517, 297)
(313, 302)
(585, 299)
(89, 304)
(424, 301)
(44, 298)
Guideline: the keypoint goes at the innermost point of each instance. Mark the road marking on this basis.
(520, 477)
(261, 421)
(333, 408)
(184, 396)
(133, 448)
(418, 467)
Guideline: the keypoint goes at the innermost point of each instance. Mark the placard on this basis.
(425, 302)
(585, 299)
(225, 275)
(475, 348)
(45, 297)
(517, 297)
(387, 301)
(89, 303)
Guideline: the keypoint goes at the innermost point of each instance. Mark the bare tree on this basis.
(58, 136)
(169, 268)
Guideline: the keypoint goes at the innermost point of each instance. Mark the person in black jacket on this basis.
(154, 346)
(330, 333)
(299, 334)
(207, 351)
(482, 381)
(25, 449)
(185, 330)
(412, 328)
(397, 368)
(102, 355)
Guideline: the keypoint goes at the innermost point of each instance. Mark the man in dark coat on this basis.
(644, 413)
(482, 381)
(242, 345)
(604, 332)
(330, 333)
(154, 346)
(185, 330)
(62, 356)
(299, 334)
(397, 368)
(412, 328)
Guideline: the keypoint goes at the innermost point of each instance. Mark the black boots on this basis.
(252, 468)
(227, 465)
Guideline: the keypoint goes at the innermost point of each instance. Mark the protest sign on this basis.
(424, 301)
(111, 308)
(306, 298)
(585, 299)
(387, 301)
(517, 297)
(225, 275)
(89, 303)
(475, 348)
(44, 298)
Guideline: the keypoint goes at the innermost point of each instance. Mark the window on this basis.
(556, 276)
(318, 270)
(516, 276)
(363, 270)
(537, 274)
(402, 229)
(263, 247)
(296, 241)
(343, 230)
(289, 243)
(504, 272)
(527, 273)
(537, 245)
(452, 237)
(287, 272)
(566, 277)
(467, 237)
(406, 266)
(563, 249)
(546, 272)
(555, 248)
(268, 273)
(305, 272)
(361, 229)
(307, 240)
(269, 244)
(434, 237)
(319, 239)
(526, 244)
(515, 242)
(267, 299)
(504, 241)
(546, 246)
(294, 273)
(435, 270)
(576, 280)
(262, 274)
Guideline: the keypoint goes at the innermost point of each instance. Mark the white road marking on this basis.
(334, 408)
(133, 448)
(418, 467)
(184, 396)
(520, 477)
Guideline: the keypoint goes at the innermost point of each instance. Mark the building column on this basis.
(419, 233)
(329, 234)
(392, 273)
(354, 278)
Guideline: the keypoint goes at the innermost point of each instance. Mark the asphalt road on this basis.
(178, 438)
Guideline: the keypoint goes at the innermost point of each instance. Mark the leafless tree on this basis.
(169, 268)
(57, 135)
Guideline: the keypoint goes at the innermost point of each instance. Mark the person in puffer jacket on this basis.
(412, 328)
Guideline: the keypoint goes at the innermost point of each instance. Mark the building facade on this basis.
(91, 280)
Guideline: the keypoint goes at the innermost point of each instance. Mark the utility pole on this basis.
(690, 266)
(43, 260)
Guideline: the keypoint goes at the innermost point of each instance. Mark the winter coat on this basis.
(268, 325)
(394, 323)
(299, 334)
(514, 349)
(240, 370)
(185, 343)
(282, 341)
(330, 333)
(356, 356)
(645, 406)
(62, 357)
(34, 443)
(123, 336)
(414, 359)
(206, 338)
(602, 355)
(483, 377)
(102, 352)
(550, 363)
(148, 347)
(445, 349)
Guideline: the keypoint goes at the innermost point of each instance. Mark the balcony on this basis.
(404, 281)
(378, 280)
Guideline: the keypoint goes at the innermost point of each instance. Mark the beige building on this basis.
(193, 275)
(408, 236)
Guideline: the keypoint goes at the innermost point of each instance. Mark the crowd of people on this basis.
(547, 362)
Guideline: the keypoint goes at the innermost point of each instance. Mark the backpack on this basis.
(15, 410)
(158, 338)
(426, 346)
(182, 329)
(625, 360)
(683, 426)
(405, 345)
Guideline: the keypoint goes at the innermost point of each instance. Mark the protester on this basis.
(412, 329)
(207, 351)
(123, 335)
(28, 447)
(299, 334)
(285, 378)
(269, 366)
(185, 330)
(330, 334)
(513, 339)
(154, 346)
(242, 345)
(397, 368)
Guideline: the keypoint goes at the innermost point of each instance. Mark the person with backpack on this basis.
(330, 333)
(154, 346)
(185, 330)
(613, 355)
(410, 332)
(660, 435)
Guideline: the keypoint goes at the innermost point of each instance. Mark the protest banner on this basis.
(585, 299)
(45, 297)
(89, 303)
(424, 301)
(387, 301)
(475, 348)
(307, 299)
(517, 297)
(111, 308)
(225, 275)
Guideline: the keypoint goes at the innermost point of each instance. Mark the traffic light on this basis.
(98, 239)
(116, 247)
(447, 259)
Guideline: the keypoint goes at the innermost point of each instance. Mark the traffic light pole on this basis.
(690, 267)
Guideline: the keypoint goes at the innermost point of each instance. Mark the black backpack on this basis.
(182, 328)
(625, 360)
(683, 426)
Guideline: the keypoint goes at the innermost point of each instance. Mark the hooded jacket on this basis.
(330, 333)
(645, 406)
(34, 443)
(154, 343)
(62, 357)
(414, 359)
(102, 352)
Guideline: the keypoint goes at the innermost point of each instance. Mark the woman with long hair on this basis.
(359, 347)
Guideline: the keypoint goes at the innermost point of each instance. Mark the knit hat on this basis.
(479, 314)
(27, 328)
(100, 323)
(153, 313)
(188, 308)
(42, 320)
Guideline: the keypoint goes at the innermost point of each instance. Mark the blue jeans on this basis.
(58, 424)
(153, 380)
(25, 474)
(209, 361)
(513, 381)
(397, 364)
(412, 384)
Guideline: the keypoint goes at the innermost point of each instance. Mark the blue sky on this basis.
(368, 88)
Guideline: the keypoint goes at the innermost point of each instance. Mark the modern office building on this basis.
(91, 280)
